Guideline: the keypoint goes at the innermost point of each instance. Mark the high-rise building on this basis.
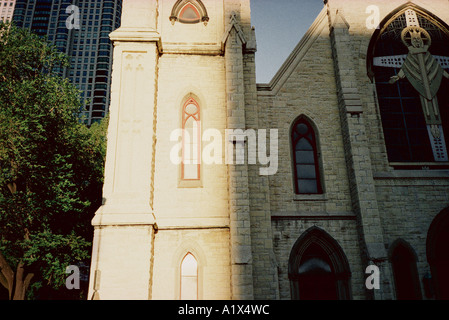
(6, 10)
(81, 30)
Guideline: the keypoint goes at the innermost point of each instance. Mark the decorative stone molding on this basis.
(233, 23)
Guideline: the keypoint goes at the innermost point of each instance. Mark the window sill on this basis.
(309, 197)
(190, 184)
(419, 166)
(412, 174)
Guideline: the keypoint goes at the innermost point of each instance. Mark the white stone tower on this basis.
(170, 230)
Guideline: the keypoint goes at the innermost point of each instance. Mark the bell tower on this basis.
(174, 225)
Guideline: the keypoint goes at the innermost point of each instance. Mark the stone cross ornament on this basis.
(425, 72)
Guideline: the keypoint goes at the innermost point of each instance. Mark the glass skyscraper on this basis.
(79, 28)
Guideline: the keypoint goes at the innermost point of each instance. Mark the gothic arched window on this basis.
(189, 11)
(438, 254)
(191, 141)
(405, 272)
(305, 158)
(189, 278)
(414, 104)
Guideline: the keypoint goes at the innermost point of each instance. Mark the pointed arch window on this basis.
(191, 141)
(414, 105)
(189, 278)
(405, 272)
(189, 11)
(307, 178)
(438, 255)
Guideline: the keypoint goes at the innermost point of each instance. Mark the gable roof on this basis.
(296, 56)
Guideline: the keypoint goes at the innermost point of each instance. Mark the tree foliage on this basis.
(51, 166)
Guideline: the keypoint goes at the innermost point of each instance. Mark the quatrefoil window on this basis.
(189, 11)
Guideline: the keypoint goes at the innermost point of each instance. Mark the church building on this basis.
(329, 182)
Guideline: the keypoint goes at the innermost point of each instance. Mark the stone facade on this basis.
(243, 227)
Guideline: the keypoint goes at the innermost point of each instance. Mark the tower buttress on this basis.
(125, 223)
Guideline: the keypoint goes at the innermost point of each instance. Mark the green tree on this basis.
(51, 167)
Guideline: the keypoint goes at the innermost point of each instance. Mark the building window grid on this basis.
(113, 22)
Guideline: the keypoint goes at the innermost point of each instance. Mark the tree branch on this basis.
(7, 273)
(19, 281)
(3, 281)
(26, 283)
(12, 187)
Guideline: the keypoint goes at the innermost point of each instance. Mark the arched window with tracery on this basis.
(409, 60)
(306, 164)
(189, 278)
(191, 141)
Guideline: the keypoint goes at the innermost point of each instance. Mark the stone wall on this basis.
(191, 213)
(408, 207)
(210, 246)
(372, 204)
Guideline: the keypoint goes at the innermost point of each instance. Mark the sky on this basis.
(280, 25)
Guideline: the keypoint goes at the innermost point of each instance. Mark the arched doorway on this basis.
(438, 254)
(318, 268)
(403, 261)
